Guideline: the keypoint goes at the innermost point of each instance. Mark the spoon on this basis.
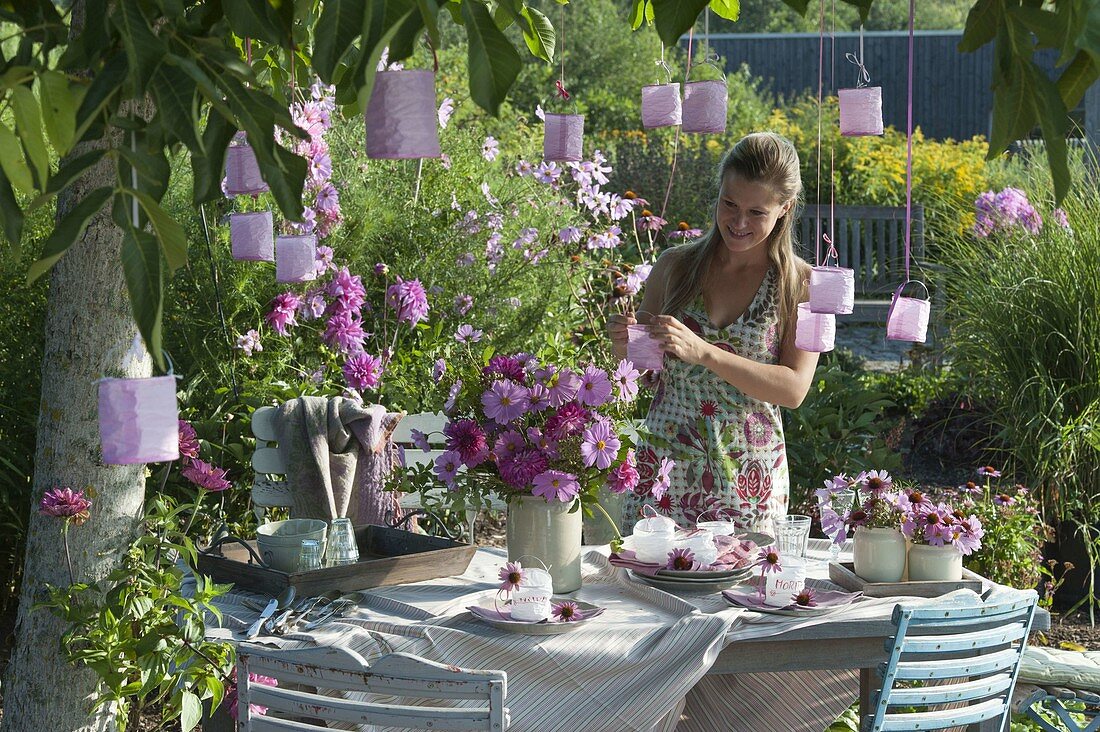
(285, 599)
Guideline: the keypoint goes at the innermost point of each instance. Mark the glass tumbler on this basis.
(791, 533)
(840, 502)
(342, 548)
(309, 557)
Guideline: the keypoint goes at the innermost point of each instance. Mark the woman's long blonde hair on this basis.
(770, 159)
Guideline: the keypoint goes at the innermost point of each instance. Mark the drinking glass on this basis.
(841, 503)
(310, 555)
(342, 548)
(791, 533)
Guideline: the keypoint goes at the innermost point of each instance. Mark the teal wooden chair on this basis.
(952, 666)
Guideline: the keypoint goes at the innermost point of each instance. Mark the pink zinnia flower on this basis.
(409, 300)
(625, 475)
(189, 441)
(362, 370)
(512, 576)
(521, 468)
(65, 503)
(566, 611)
(345, 332)
(504, 401)
(569, 420)
(600, 446)
(468, 439)
(626, 381)
(555, 485)
(447, 465)
(206, 476)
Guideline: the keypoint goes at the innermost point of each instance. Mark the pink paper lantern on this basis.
(401, 117)
(642, 349)
(295, 258)
(814, 332)
(563, 137)
(138, 420)
(252, 236)
(861, 111)
(832, 290)
(908, 316)
(242, 172)
(661, 105)
(705, 106)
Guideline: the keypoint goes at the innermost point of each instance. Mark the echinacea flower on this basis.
(206, 476)
(806, 598)
(566, 611)
(512, 576)
(684, 230)
(65, 503)
(556, 485)
(877, 481)
(505, 401)
(189, 441)
(599, 446)
(682, 559)
(988, 471)
(1003, 499)
(768, 560)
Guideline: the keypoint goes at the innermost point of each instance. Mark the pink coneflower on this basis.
(566, 611)
(626, 381)
(806, 598)
(362, 370)
(1003, 499)
(768, 560)
(189, 441)
(409, 300)
(65, 503)
(599, 446)
(970, 487)
(504, 401)
(988, 471)
(468, 439)
(877, 481)
(521, 468)
(555, 485)
(447, 465)
(206, 476)
(682, 559)
(684, 230)
(569, 420)
(650, 221)
(512, 576)
(625, 475)
(564, 386)
(914, 501)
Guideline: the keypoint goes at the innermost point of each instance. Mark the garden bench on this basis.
(871, 241)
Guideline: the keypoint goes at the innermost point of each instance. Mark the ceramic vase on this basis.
(549, 532)
(935, 563)
(597, 530)
(879, 554)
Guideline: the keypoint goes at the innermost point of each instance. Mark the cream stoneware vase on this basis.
(597, 529)
(935, 563)
(551, 533)
(879, 554)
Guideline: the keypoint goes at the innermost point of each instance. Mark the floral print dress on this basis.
(728, 447)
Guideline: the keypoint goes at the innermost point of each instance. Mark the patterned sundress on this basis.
(728, 447)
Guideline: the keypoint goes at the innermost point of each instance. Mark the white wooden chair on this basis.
(965, 656)
(292, 708)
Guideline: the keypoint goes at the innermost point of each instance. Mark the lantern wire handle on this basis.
(909, 143)
(820, 112)
(664, 65)
(710, 56)
(863, 77)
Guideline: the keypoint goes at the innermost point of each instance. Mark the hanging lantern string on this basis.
(831, 252)
(863, 77)
(820, 111)
(664, 65)
(676, 140)
(909, 142)
(561, 90)
(710, 56)
(560, 83)
(832, 85)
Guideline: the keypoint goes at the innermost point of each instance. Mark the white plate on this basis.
(544, 627)
(675, 585)
(676, 575)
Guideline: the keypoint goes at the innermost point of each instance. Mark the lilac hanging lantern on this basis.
(252, 236)
(242, 172)
(563, 137)
(295, 258)
(138, 420)
(661, 105)
(401, 119)
(861, 111)
(832, 290)
(642, 349)
(814, 332)
(705, 106)
(908, 316)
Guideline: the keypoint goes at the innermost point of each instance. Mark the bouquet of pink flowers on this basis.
(874, 504)
(938, 524)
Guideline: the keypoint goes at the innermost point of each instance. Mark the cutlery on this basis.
(284, 598)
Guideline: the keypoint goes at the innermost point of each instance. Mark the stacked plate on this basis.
(699, 581)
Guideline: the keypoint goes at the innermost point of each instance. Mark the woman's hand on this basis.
(677, 339)
(616, 328)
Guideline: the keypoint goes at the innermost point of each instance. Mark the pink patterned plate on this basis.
(827, 601)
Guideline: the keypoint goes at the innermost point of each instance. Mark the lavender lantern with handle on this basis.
(295, 258)
(138, 420)
(814, 332)
(705, 105)
(563, 137)
(861, 111)
(908, 316)
(242, 172)
(661, 105)
(642, 349)
(832, 290)
(401, 119)
(252, 236)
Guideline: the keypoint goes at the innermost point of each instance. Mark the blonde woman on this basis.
(723, 308)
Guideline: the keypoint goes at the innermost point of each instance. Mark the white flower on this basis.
(249, 342)
(490, 148)
(446, 109)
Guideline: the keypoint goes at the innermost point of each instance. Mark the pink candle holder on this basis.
(832, 290)
(861, 111)
(563, 137)
(705, 106)
(242, 172)
(252, 236)
(401, 116)
(642, 349)
(908, 316)
(138, 420)
(814, 332)
(295, 258)
(661, 105)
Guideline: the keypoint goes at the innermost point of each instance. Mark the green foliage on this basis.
(140, 635)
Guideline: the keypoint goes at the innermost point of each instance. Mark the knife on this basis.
(254, 629)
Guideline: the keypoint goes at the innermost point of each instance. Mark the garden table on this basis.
(633, 668)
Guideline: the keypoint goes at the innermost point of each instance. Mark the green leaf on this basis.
(256, 19)
(493, 63)
(175, 92)
(340, 23)
(798, 6)
(68, 231)
(11, 216)
(1089, 39)
(104, 86)
(59, 103)
(981, 25)
(673, 18)
(190, 711)
(1077, 78)
(381, 21)
(208, 168)
(1013, 113)
(728, 9)
(539, 34)
(1049, 28)
(864, 7)
(1053, 120)
(173, 239)
(28, 124)
(13, 163)
(141, 267)
(143, 48)
(428, 11)
(641, 12)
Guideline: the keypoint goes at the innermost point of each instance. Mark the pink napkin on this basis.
(732, 554)
(642, 349)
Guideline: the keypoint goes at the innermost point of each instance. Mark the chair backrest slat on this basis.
(335, 709)
(950, 668)
(973, 641)
(943, 718)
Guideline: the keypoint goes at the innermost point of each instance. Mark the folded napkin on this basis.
(732, 554)
(488, 613)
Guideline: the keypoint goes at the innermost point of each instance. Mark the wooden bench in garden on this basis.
(871, 241)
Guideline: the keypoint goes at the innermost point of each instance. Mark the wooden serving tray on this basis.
(843, 575)
(386, 557)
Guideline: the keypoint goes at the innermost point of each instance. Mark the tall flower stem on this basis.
(618, 540)
(194, 511)
(68, 557)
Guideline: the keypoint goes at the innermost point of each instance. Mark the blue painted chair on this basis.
(1076, 710)
(951, 666)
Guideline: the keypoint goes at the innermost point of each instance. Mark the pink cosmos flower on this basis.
(250, 342)
(490, 148)
(447, 465)
(466, 333)
(662, 480)
(65, 503)
(539, 398)
(463, 304)
(834, 525)
(446, 109)
(626, 381)
(625, 475)
(512, 576)
(281, 315)
(189, 441)
(452, 396)
(555, 485)
(467, 438)
(566, 611)
(543, 442)
(206, 476)
(409, 300)
(504, 401)
(508, 445)
(564, 386)
(362, 370)
(438, 369)
(599, 446)
(420, 440)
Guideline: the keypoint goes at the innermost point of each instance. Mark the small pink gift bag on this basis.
(401, 120)
(832, 290)
(814, 332)
(705, 106)
(252, 236)
(908, 316)
(138, 420)
(642, 349)
(563, 137)
(242, 172)
(661, 105)
(861, 111)
(295, 258)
